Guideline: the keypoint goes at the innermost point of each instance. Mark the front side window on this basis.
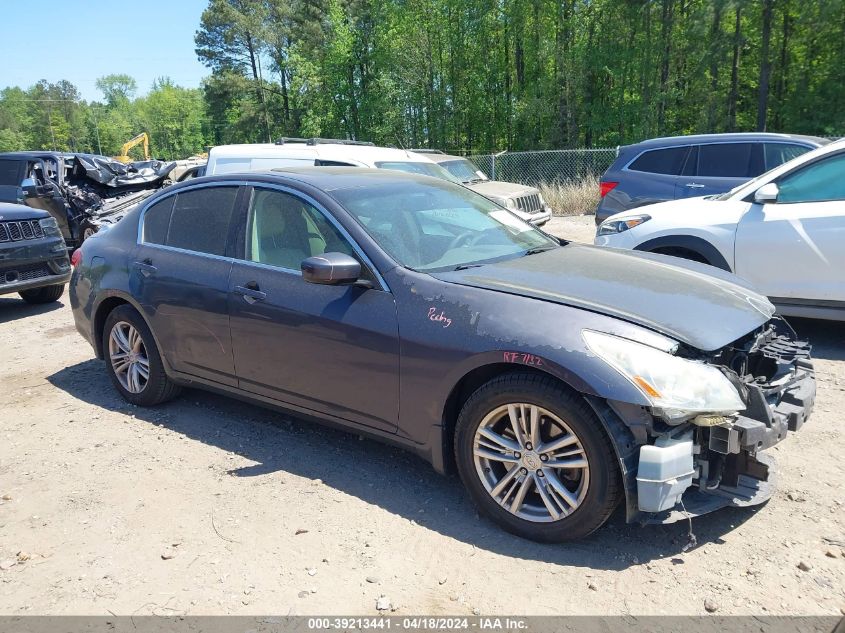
(195, 220)
(725, 160)
(435, 227)
(283, 230)
(823, 180)
(667, 161)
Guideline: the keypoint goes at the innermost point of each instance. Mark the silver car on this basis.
(523, 200)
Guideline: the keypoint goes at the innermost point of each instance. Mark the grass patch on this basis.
(575, 197)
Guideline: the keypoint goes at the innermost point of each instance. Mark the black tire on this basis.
(603, 490)
(45, 294)
(158, 388)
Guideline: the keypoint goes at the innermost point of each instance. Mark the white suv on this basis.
(299, 152)
(784, 232)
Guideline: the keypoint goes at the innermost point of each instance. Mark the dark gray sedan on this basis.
(559, 379)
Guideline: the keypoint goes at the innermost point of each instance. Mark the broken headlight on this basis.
(49, 226)
(679, 388)
(610, 227)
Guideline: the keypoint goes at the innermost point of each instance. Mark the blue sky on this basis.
(81, 40)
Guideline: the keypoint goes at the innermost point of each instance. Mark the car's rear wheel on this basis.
(133, 361)
(535, 459)
(45, 294)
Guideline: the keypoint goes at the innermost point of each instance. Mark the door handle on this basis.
(146, 267)
(694, 185)
(250, 293)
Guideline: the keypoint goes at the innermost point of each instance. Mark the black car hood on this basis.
(696, 304)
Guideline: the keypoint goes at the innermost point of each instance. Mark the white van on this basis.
(299, 152)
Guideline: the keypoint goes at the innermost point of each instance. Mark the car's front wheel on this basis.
(535, 459)
(133, 361)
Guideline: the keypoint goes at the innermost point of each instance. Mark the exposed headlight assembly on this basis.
(510, 203)
(49, 226)
(679, 388)
(611, 227)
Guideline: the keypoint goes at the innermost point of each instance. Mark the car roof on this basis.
(326, 151)
(323, 178)
(668, 141)
(437, 156)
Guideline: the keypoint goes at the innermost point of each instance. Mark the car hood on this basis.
(501, 189)
(13, 212)
(687, 212)
(695, 304)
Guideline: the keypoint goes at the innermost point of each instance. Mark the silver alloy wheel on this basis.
(128, 357)
(531, 462)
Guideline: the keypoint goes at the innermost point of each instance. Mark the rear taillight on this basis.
(605, 187)
(76, 257)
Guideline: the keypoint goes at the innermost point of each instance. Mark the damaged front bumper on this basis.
(731, 468)
(690, 470)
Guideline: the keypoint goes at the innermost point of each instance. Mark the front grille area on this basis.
(24, 273)
(22, 230)
(529, 203)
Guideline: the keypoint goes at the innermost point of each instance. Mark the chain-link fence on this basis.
(557, 166)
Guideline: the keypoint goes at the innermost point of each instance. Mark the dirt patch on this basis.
(208, 506)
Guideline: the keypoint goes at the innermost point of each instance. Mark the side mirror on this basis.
(30, 187)
(767, 193)
(331, 268)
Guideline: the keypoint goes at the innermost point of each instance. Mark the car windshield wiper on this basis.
(538, 249)
(473, 181)
(466, 266)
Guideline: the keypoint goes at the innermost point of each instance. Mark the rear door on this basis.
(652, 176)
(330, 349)
(180, 273)
(795, 248)
(718, 167)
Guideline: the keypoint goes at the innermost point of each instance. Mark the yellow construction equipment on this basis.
(144, 138)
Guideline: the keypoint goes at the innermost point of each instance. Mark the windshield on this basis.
(433, 227)
(425, 169)
(464, 170)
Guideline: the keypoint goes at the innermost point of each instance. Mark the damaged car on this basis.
(560, 380)
(83, 192)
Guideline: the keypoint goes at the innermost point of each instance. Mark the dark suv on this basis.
(676, 167)
(33, 256)
(83, 192)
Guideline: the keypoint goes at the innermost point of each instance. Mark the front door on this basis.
(329, 349)
(794, 248)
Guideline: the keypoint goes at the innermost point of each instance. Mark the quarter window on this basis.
(667, 161)
(157, 221)
(200, 219)
(778, 153)
(725, 160)
(283, 230)
(824, 180)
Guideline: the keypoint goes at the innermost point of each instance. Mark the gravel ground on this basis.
(211, 506)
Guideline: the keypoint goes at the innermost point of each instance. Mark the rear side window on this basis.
(157, 220)
(667, 161)
(725, 160)
(10, 173)
(200, 219)
(778, 153)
